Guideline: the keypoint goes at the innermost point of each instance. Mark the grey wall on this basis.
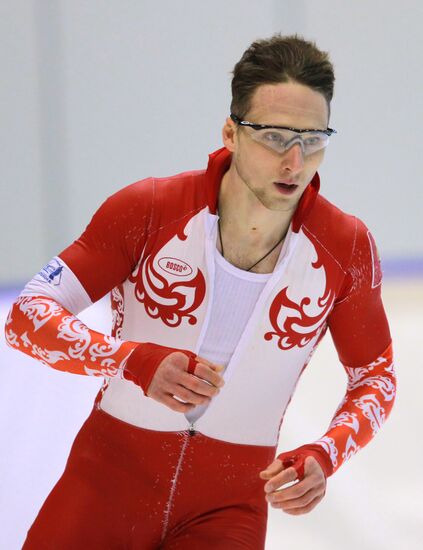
(98, 94)
(372, 166)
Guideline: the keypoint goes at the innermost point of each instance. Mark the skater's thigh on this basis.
(234, 528)
(77, 514)
(88, 509)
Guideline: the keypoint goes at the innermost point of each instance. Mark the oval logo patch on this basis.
(175, 267)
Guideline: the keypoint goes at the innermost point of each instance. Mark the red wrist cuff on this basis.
(144, 360)
(296, 459)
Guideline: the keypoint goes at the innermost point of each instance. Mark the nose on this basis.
(293, 158)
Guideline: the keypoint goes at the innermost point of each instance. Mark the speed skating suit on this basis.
(139, 474)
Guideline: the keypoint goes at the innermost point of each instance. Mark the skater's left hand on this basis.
(299, 498)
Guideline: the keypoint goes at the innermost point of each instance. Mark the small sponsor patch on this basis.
(175, 266)
(51, 273)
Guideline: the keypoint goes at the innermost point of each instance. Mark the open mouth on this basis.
(286, 188)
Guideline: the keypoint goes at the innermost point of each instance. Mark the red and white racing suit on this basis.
(169, 482)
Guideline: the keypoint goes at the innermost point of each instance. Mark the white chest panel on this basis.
(274, 342)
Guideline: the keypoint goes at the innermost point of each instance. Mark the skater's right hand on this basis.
(172, 379)
(169, 375)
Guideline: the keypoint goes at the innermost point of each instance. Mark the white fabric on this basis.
(57, 281)
(236, 293)
(257, 360)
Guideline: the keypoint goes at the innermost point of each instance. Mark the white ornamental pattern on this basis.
(328, 444)
(11, 336)
(360, 414)
(346, 419)
(39, 310)
(72, 329)
(98, 357)
(390, 369)
(46, 356)
(118, 311)
(104, 350)
(109, 369)
(356, 374)
(382, 383)
(350, 449)
(372, 410)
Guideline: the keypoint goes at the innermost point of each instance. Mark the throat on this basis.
(250, 254)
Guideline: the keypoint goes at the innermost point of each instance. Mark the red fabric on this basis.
(358, 322)
(111, 245)
(305, 206)
(51, 334)
(130, 224)
(128, 487)
(365, 407)
(296, 459)
(146, 358)
(367, 404)
(48, 332)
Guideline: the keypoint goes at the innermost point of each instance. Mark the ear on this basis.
(229, 134)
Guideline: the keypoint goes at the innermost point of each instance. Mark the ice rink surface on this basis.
(373, 502)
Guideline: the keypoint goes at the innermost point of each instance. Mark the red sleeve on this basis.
(104, 256)
(46, 331)
(43, 329)
(111, 245)
(358, 323)
(361, 336)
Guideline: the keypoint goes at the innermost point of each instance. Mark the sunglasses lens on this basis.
(281, 140)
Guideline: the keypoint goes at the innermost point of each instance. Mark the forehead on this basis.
(288, 104)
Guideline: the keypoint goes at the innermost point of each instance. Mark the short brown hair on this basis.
(280, 59)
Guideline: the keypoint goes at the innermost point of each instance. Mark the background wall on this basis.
(96, 95)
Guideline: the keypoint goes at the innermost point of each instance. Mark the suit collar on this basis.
(219, 163)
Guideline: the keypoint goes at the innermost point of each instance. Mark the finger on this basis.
(174, 404)
(189, 396)
(312, 467)
(178, 359)
(280, 497)
(272, 469)
(313, 480)
(208, 374)
(280, 479)
(305, 509)
(296, 462)
(208, 363)
(198, 385)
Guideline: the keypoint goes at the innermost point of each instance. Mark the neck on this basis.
(244, 218)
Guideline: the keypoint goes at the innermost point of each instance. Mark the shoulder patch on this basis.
(51, 273)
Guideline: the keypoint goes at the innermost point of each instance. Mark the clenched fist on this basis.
(172, 380)
(167, 373)
(299, 498)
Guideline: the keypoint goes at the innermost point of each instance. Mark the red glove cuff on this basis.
(296, 459)
(145, 359)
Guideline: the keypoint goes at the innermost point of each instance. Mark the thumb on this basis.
(272, 469)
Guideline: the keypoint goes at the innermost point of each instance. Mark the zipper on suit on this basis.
(187, 434)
